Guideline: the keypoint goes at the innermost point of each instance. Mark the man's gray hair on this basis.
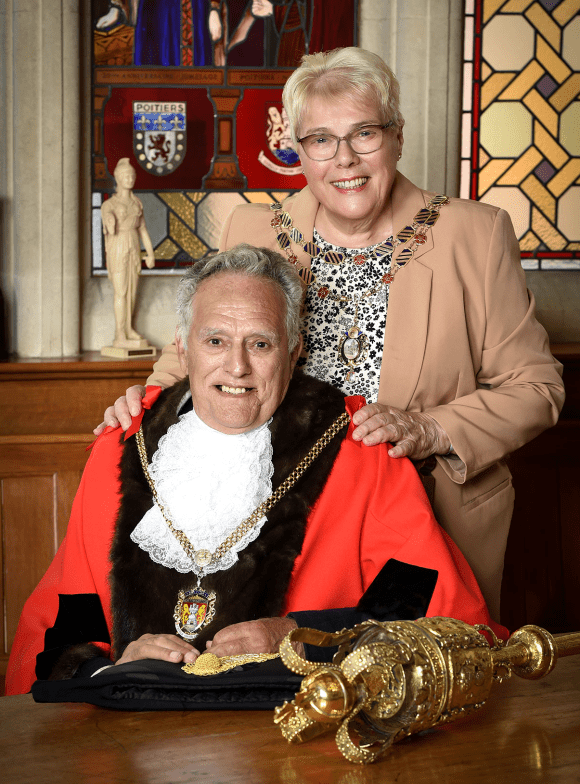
(243, 260)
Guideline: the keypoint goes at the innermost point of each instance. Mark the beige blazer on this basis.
(461, 343)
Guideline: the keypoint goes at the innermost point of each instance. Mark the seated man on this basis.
(171, 549)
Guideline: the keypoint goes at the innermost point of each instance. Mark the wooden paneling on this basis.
(66, 488)
(48, 410)
(63, 396)
(38, 482)
(541, 575)
(541, 581)
(28, 521)
(34, 515)
(569, 356)
(570, 525)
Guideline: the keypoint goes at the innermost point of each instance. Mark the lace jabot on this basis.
(207, 482)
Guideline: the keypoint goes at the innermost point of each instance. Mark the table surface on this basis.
(529, 731)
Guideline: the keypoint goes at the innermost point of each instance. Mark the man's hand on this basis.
(166, 647)
(126, 406)
(262, 636)
(412, 434)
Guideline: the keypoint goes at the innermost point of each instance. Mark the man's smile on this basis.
(234, 390)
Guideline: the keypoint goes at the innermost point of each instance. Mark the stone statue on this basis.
(124, 228)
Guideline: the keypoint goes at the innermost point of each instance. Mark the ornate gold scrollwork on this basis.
(391, 680)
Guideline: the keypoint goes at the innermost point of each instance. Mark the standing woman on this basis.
(416, 301)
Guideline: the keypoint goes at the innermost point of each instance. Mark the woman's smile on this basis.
(354, 189)
(357, 183)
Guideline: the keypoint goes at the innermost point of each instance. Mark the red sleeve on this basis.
(373, 508)
(80, 566)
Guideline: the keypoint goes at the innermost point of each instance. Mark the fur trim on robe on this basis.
(144, 593)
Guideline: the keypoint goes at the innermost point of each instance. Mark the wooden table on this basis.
(527, 732)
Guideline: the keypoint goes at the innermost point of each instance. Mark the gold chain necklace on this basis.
(416, 231)
(195, 608)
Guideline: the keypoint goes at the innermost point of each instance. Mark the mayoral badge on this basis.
(194, 610)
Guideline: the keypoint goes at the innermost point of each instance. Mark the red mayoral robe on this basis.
(372, 508)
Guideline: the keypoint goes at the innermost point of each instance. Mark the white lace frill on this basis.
(208, 483)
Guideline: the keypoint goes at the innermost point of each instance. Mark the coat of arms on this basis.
(159, 135)
(195, 609)
(281, 157)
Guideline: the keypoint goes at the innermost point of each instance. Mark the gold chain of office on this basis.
(416, 231)
(204, 557)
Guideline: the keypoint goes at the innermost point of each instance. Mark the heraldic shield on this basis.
(280, 156)
(159, 135)
(194, 610)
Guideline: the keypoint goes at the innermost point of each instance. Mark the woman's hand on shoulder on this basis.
(411, 433)
(125, 407)
(165, 647)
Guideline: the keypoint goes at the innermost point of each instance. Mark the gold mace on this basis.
(391, 680)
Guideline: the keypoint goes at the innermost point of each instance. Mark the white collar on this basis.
(207, 482)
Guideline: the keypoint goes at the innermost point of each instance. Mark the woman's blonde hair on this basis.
(347, 71)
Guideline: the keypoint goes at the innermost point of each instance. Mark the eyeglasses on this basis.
(324, 146)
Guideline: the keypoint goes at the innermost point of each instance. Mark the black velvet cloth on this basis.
(156, 685)
(399, 592)
(80, 617)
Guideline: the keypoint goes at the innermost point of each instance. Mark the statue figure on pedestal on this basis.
(124, 228)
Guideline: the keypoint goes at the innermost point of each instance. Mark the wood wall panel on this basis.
(29, 527)
(34, 512)
(66, 488)
(570, 523)
(63, 396)
(48, 410)
(541, 575)
(43, 454)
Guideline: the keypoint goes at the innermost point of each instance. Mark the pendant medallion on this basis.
(195, 609)
(202, 557)
(352, 346)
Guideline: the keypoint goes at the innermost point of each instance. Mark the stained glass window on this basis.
(190, 91)
(521, 122)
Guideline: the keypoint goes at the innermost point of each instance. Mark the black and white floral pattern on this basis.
(326, 321)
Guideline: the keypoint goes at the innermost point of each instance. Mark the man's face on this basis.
(237, 357)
